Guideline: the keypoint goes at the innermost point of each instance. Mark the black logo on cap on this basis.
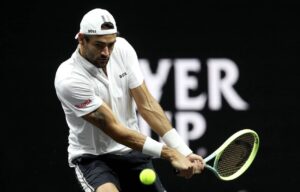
(91, 31)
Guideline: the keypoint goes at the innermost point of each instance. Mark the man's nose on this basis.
(105, 51)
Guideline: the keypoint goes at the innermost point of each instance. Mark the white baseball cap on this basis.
(92, 21)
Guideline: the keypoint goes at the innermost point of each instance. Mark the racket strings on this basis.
(235, 155)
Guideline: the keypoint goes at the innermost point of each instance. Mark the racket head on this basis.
(235, 155)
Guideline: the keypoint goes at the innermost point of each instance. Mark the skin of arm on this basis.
(104, 119)
(154, 115)
(151, 110)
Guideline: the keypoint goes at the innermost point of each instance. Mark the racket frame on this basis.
(218, 152)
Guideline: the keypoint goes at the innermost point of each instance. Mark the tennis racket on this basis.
(235, 155)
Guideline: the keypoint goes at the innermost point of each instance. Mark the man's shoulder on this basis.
(123, 47)
(68, 64)
(68, 70)
(122, 42)
(65, 68)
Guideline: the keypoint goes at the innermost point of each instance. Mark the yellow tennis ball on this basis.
(147, 176)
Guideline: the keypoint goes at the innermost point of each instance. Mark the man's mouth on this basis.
(103, 59)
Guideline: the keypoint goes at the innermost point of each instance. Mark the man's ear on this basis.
(80, 38)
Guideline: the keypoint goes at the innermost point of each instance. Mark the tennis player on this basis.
(99, 88)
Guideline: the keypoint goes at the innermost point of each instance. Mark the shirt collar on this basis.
(89, 67)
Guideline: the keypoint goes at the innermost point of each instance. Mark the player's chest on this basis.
(113, 87)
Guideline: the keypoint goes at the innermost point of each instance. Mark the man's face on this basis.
(98, 49)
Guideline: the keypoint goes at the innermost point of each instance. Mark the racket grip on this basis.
(176, 172)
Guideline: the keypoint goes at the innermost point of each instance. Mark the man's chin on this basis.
(101, 65)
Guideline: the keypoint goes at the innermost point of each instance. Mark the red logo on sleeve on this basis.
(84, 104)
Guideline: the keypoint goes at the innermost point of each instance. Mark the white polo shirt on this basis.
(82, 88)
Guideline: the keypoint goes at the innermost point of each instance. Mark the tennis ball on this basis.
(147, 176)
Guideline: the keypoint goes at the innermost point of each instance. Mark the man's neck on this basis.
(104, 70)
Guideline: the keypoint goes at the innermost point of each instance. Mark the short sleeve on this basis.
(78, 96)
(135, 76)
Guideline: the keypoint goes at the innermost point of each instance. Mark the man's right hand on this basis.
(198, 163)
(182, 164)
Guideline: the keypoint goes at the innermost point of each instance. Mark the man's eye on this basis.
(110, 45)
(103, 45)
(99, 45)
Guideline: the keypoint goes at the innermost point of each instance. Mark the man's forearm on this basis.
(153, 114)
(155, 117)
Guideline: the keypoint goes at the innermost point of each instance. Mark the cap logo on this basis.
(91, 31)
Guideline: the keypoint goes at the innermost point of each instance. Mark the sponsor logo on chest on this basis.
(122, 75)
